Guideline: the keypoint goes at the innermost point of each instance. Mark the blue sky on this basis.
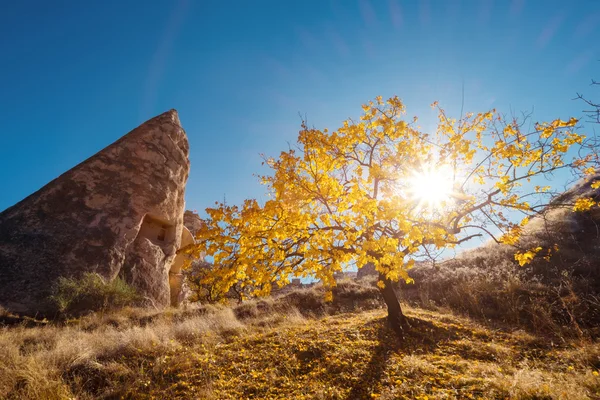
(75, 76)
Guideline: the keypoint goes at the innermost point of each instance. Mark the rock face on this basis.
(192, 221)
(367, 270)
(177, 281)
(120, 212)
(180, 289)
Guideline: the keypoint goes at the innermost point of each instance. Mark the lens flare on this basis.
(432, 187)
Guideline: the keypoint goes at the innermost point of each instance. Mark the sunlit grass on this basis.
(214, 355)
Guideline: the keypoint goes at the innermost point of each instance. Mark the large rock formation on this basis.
(120, 212)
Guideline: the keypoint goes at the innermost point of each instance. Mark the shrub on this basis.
(206, 287)
(348, 296)
(91, 293)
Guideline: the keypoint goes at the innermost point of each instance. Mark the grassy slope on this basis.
(286, 356)
(355, 356)
(559, 295)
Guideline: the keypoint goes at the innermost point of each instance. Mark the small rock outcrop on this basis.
(118, 213)
(192, 221)
(367, 270)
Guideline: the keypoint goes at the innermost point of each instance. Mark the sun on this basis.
(432, 186)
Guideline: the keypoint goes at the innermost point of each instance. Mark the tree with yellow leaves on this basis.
(379, 190)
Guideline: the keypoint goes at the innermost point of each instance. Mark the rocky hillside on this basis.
(559, 294)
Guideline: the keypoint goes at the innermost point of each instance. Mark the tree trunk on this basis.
(396, 318)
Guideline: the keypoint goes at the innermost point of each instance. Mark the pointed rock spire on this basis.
(120, 212)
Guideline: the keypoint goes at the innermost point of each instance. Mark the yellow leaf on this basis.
(583, 204)
(527, 257)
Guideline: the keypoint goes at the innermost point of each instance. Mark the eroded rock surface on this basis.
(118, 212)
(192, 221)
(367, 270)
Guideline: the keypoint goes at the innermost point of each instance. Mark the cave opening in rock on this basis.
(157, 230)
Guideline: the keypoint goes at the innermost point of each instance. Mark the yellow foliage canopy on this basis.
(345, 197)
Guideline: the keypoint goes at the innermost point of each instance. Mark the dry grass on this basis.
(86, 359)
(269, 349)
(487, 284)
(101, 354)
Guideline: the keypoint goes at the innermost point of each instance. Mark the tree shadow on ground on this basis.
(422, 337)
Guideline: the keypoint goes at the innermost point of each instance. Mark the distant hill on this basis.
(558, 294)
